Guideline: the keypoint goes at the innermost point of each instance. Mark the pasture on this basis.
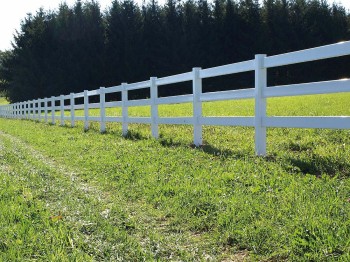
(70, 195)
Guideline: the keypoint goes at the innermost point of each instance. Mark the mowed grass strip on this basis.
(49, 214)
(219, 201)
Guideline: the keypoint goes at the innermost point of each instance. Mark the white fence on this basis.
(39, 109)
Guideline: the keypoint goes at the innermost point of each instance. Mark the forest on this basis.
(81, 47)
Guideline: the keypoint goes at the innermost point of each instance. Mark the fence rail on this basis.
(40, 109)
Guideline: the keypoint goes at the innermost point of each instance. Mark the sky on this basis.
(13, 11)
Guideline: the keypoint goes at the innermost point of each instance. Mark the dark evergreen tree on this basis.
(174, 38)
(231, 34)
(155, 57)
(124, 43)
(76, 48)
(251, 37)
(191, 27)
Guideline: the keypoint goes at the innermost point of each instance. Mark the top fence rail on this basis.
(45, 108)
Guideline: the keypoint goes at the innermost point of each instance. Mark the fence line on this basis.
(260, 93)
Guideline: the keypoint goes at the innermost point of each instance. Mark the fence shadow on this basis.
(135, 135)
(317, 165)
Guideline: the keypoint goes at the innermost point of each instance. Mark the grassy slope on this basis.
(168, 200)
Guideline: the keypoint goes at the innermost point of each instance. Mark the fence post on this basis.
(62, 109)
(25, 109)
(30, 109)
(260, 105)
(124, 109)
(19, 110)
(72, 111)
(197, 107)
(86, 110)
(45, 109)
(53, 110)
(38, 110)
(15, 110)
(154, 107)
(40, 101)
(102, 110)
(35, 110)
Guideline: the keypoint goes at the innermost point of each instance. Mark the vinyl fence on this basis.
(45, 108)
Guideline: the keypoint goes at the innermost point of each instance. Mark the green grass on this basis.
(137, 198)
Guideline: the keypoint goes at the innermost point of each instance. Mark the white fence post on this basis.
(102, 110)
(14, 111)
(53, 110)
(86, 110)
(197, 107)
(35, 109)
(260, 105)
(32, 107)
(154, 107)
(19, 108)
(72, 111)
(62, 109)
(30, 110)
(45, 109)
(25, 110)
(124, 109)
(40, 101)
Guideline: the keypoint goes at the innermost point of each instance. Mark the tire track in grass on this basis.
(81, 206)
(111, 227)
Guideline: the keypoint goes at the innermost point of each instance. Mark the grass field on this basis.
(69, 195)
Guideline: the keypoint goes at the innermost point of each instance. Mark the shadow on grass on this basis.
(224, 153)
(317, 165)
(135, 135)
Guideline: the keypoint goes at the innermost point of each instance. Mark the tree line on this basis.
(80, 47)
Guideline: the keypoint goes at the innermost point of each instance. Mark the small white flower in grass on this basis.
(105, 213)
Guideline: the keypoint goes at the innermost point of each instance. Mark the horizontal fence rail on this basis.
(45, 109)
